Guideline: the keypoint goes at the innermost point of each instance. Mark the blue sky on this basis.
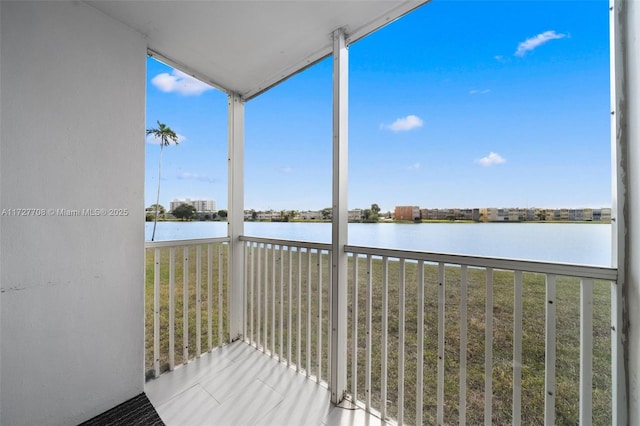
(459, 104)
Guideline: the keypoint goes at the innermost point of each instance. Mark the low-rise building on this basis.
(488, 214)
(269, 215)
(356, 215)
(407, 213)
(311, 215)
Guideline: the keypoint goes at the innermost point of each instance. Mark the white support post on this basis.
(338, 374)
(624, 27)
(236, 216)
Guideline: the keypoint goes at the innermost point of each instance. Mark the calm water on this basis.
(588, 244)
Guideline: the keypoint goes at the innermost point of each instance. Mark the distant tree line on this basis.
(184, 212)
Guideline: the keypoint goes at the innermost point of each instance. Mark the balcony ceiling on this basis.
(246, 47)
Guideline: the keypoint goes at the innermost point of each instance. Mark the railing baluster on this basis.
(289, 305)
(517, 349)
(330, 321)
(245, 309)
(586, 351)
(273, 300)
(281, 260)
(185, 304)
(265, 329)
(441, 339)
(618, 370)
(220, 294)
(308, 356)
(385, 326)
(299, 311)
(172, 307)
(251, 297)
(198, 300)
(319, 318)
(420, 352)
(401, 319)
(367, 385)
(488, 348)
(462, 403)
(259, 297)
(156, 312)
(550, 352)
(209, 296)
(354, 329)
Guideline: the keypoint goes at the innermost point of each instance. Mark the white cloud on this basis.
(491, 160)
(414, 166)
(286, 169)
(179, 82)
(195, 176)
(537, 40)
(479, 92)
(405, 124)
(153, 140)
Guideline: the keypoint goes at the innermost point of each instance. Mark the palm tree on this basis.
(165, 135)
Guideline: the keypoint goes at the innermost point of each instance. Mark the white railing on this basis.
(287, 299)
(488, 331)
(492, 332)
(175, 313)
(432, 338)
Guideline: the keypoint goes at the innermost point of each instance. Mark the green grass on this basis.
(534, 305)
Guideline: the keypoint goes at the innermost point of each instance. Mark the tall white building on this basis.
(200, 205)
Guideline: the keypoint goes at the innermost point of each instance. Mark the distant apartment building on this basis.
(564, 214)
(550, 214)
(575, 214)
(470, 214)
(269, 215)
(527, 214)
(201, 206)
(450, 214)
(489, 214)
(407, 213)
(430, 214)
(311, 215)
(601, 214)
(587, 214)
(356, 215)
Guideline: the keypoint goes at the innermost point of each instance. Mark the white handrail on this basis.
(565, 269)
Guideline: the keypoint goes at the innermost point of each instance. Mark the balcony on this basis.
(563, 338)
(492, 333)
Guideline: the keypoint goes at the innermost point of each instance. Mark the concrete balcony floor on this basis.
(239, 385)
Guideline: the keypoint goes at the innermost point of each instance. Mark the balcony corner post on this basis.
(625, 214)
(235, 217)
(338, 320)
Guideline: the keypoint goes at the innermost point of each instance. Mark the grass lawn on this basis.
(313, 302)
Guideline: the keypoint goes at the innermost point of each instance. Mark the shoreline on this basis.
(408, 222)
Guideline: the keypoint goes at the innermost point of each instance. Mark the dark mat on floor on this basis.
(136, 411)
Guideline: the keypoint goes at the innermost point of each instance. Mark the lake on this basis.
(588, 244)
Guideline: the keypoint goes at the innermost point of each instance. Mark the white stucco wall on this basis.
(72, 137)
